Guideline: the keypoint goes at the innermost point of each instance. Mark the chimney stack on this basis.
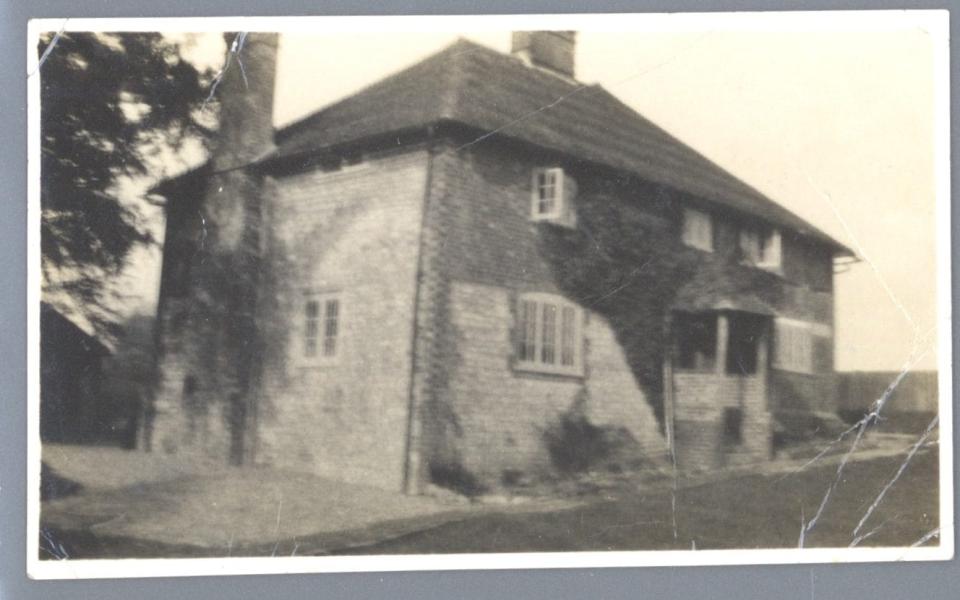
(246, 93)
(549, 50)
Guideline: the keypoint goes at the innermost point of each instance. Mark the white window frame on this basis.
(320, 352)
(751, 245)
(697, 229)
(762, 249)
(540, 362)
(771, 250)
(557, 185)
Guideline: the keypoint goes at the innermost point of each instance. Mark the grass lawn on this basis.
(754, 511)
(751, 511)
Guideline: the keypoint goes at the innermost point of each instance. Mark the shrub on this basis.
(576, 445)
(455, 477)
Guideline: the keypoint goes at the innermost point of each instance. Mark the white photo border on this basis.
(936, 22)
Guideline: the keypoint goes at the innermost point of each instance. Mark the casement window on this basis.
(698, 229)
(794, 343)
(761, 248)
(321, 327)
(552, 196)
(549, 335)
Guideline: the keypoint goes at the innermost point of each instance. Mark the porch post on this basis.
(723, 336)
(763, 352)
(763, 361)
(668, 400)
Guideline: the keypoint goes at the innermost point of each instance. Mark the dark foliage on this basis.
(626, 261)
(575, 445)
(109, 102)
(626, 265)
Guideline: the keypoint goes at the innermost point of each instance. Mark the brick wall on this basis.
(198, 341)
(207, 343)
(191, 425)
(803, 291)
(699, 422)
(354, 231)
(503, 413)
(428, 250)
(480, 251)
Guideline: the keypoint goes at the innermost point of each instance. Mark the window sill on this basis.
(558, 221)
(538, 369)
(319, 364)
(680, 371)
(699, 249)
(796, 371)
(769, 268)
(712, 373)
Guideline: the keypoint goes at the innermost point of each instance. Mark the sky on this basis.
(838, 126)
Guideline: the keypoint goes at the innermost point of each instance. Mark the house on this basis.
(417, 283)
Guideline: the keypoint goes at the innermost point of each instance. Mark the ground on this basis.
(118, 512)
(751, 511)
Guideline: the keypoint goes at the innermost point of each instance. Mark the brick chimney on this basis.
(227, 280)
(549, 50)
(246, 93)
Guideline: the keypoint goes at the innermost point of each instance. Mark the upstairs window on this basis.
(321, 327)
(549, 334)
(553, 191)
(761, 248)
(698, 229)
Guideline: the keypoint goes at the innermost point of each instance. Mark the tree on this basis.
(110, 103)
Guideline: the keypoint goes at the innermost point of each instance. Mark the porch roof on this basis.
(714, 288)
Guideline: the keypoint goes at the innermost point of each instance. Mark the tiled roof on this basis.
(498, 95)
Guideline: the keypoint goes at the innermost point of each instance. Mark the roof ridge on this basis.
(456, 77)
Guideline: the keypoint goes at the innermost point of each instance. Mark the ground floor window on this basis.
(321, 327)
(802, 346)
(793, 346)
(549, 334)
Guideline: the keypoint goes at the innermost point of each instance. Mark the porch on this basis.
(716, 388)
